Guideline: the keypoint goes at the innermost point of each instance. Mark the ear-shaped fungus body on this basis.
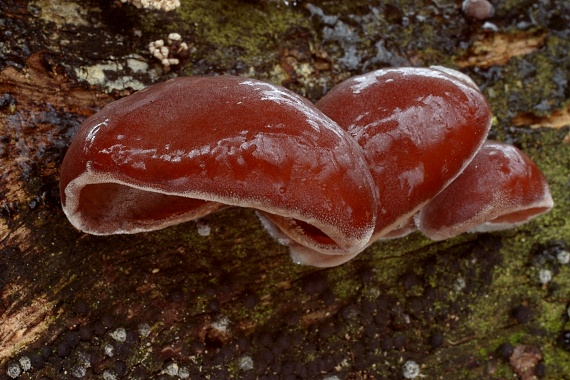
(501, 188)
(418, 128)
(189, 146)
(303, 254)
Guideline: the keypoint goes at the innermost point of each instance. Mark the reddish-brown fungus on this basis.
(501, 188)
(189, 146)
(418, 128)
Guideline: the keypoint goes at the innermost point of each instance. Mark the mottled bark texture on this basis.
(217, 298)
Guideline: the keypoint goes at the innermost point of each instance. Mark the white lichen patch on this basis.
(172, 369)
(460, 284)
(123, 83)
(109, 350)
(183, 373)
(410, 370)
(84, 359)
(563, 257)
(120, 334)
(144, 330)
(137, 64)
(79, 371)
(13, 370)
(246, 363)
(160, 5)
(62, 12)
(95, 76)
(221, 324)
(544, 276)
(203, 229)
(25, 363)
(108, 375)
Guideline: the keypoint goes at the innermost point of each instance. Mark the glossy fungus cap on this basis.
(184, 148)
(501, 188)
(418, 128)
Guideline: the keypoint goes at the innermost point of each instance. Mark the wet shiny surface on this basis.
(500, 189)
(418, 128)
(228, 140)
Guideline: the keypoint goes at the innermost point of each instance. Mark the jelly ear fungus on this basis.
(418, 128)
(184, 148)
(501, 188)
(381, 154)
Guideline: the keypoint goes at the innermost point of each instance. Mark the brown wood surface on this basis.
(231, 304)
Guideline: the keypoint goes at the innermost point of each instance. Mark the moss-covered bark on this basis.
(231, 304)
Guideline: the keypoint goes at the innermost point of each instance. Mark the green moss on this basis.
(517, 278)
(248, 29)
(551, 316)
(344, 290)
(556, 360)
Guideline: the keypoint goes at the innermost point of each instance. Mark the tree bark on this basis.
(218, 298)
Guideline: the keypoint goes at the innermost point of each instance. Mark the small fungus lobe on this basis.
(501, 188)
(418, 128)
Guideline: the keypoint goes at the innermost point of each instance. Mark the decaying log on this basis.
(218, 298)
